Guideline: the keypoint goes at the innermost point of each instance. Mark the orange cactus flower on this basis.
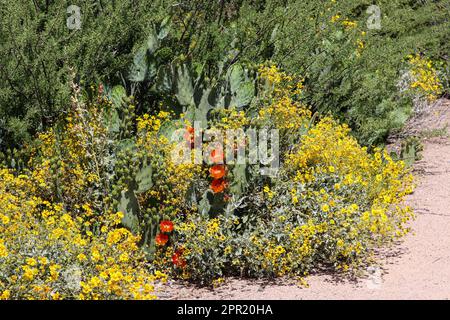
(217, 156)
(189, 134)
(177, 260)
(166, 226)
(161, 239)
(218, 185)
(218, 171)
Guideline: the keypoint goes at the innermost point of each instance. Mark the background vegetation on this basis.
(37, 50)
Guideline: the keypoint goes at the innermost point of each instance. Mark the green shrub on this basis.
(38, 50)
(353, 71)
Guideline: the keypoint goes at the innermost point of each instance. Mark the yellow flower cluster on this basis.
(152, 123)
(45, 254)
(348, 24)
(233, 119)
(282, 111)
(363, 192)
(287, 256)
(333, 203)
(174, 178)
(425, 78)
(272, 74)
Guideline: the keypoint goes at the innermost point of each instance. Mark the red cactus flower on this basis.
(161, 239)
(166, 226)
(218, 185)
(218, 171)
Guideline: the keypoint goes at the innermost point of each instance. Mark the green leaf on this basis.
(126, 144)
(409, 155)
(204, 206)
(184, 89)
(112, 120)
(241, 89)
(236, 77)
(129, 206)
(152, 69)
(164, 28)
(164, 79)
(244, 95)
(111, 117)
(152, 42)
(240, 180)
(398, 117)
(117, 94)
(144, 178)
(139, 67)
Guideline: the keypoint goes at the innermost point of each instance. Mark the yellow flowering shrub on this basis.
(279, 109)
(330, 205)
(63, 236)
(71, 161)
(45, 254)
(84, 166)
(335, 202)
(425, 79)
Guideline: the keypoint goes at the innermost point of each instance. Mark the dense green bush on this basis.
(38, 49)
(361, 87)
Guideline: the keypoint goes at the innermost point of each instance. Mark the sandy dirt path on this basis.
(417, 268)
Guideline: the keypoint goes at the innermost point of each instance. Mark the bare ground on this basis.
(416, 268)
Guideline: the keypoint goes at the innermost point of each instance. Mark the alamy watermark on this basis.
(232, 146)
(73, 22)
(374, 278)
(374, 20)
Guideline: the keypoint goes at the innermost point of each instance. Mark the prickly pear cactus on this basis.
(129, 206)
(111, 116)
(196, 94)
(144, 66)
(242, 89)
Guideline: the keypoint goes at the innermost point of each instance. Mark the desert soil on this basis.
(416, 268)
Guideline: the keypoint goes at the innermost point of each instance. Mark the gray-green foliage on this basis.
(357, 86)
(195, 93)
(132, 170)
(411, 150)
